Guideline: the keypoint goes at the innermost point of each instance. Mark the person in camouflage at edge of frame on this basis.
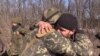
(67, 39)
(17, 40)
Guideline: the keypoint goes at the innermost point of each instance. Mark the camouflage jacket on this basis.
(50, 44)
(37, 48)
(26, 44)
(56, 43)
(53, 43)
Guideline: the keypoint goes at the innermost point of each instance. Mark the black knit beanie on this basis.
(67, 21)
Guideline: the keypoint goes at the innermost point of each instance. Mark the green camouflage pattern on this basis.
(37, 48)
(56, 43)
(19, 44)
(49, 44)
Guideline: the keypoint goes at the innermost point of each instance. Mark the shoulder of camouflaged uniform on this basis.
(83, 42)
(56, 43)
(34, 47)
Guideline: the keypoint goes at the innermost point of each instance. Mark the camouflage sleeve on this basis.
(34, 47)
(83, 46)
(58, 44)
(37, 49)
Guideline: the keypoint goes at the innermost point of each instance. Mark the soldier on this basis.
(24, 42)
(66, 39)
(18, 38)
(45, 41)
(35, 46)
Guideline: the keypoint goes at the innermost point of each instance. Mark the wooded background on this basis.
(30, 11)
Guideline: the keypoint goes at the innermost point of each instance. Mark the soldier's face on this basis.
(65, 32)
